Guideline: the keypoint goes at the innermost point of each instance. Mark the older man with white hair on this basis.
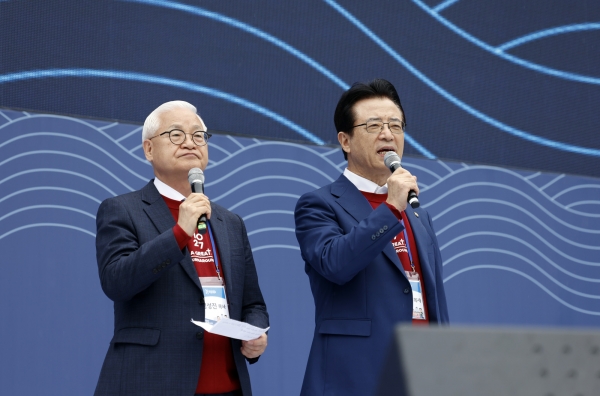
(156, 267)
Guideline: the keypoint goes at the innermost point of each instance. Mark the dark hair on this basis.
(344, 117)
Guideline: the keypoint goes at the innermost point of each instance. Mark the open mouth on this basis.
(381, 152)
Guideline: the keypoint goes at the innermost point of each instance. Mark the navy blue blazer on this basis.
(358, 284)
(155, 349)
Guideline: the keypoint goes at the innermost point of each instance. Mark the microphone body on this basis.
(196, 180)
(392, 161)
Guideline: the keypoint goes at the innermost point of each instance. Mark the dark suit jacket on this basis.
(155, 349)
(358, 284)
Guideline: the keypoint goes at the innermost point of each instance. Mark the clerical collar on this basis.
(365, 184)
(167, 191)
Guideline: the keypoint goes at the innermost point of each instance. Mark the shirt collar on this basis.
(167, 191)
(365, 184)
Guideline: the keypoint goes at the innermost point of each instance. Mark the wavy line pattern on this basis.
(508, 57)
(518, 89)
(499, 230)
(581, 27)
(444, 4)
(462, 104)
(278, 43)
(125, 75)
(530, 278)
(528, 246)
(248, 29)
(523, 222)
(320, 65)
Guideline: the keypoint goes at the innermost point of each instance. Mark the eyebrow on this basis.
(379, 119)
(178, 126)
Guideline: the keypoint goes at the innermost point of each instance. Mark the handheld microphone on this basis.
(196, 180)
(392, 161)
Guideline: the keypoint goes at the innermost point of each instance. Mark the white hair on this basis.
(153, 120)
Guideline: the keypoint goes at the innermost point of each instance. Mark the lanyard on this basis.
(410, 258)
(214, 245)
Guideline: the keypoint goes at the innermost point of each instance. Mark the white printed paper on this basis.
(232, 329)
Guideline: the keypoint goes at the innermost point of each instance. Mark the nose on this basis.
(386, 132)
(188, 141)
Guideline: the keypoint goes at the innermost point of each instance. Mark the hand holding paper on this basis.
(233, 329)
(254, 348)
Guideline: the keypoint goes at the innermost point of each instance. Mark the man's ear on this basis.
(148, 149)
(344, 140)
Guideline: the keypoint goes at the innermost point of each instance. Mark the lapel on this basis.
(355, 204)
(159, 214)
(221, 240)
(156, 208)
(350, 198)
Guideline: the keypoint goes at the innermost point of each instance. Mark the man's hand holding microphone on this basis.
(402, 186)
(195, 211)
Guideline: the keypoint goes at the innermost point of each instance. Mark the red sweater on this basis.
(377, 199)
(218, 373)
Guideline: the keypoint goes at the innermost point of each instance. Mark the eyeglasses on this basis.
(177, 137)
(396, 127)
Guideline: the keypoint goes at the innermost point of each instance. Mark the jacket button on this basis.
(373, 237)
(406, 291)
(200, 335)
(385, 227)
(167, 261)
(201, 300)
(381, 230)
(155, 270)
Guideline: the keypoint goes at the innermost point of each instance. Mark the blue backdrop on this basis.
(504, 82)
(519, 247)
(514, 85)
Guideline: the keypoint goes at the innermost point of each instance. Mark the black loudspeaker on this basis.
(455, 361)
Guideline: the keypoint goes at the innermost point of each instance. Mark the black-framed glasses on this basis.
(177, 137)
(396, 127)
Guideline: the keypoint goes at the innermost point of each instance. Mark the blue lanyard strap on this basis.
(214, 245)
(410, 257)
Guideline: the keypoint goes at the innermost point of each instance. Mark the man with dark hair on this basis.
(344, 119)
(158, 269)
(372, 260)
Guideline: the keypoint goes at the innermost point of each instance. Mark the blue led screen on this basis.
(507, 83)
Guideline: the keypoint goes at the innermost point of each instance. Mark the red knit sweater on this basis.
(218, 373)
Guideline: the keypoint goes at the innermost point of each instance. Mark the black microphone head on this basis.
(195, 175)
(391, 160)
